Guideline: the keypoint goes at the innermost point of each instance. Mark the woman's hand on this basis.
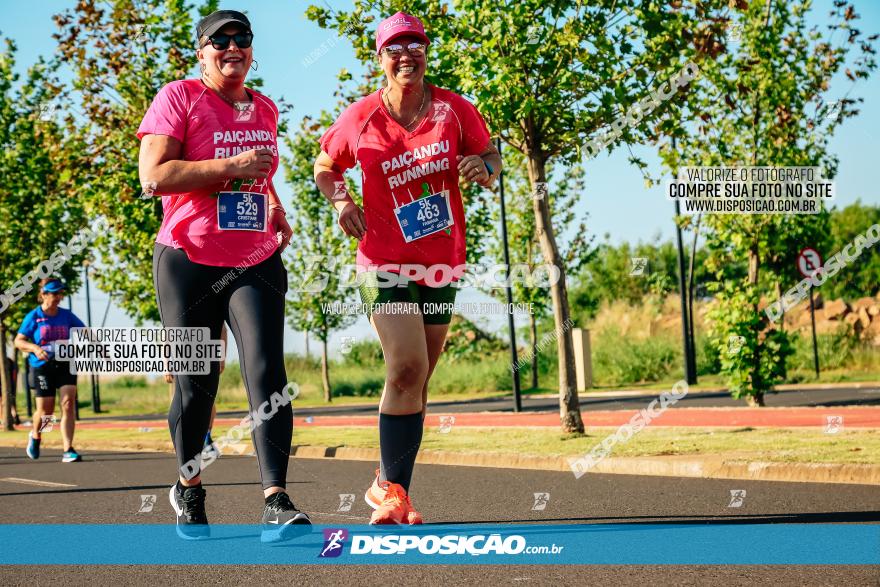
(472, 168)
(252, 164)
(352, 220)
(280, 227)
(40, 352)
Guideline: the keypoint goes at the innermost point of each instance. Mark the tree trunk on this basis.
(325, 372)
(308, 355)
(16, 356)
(569, 407)
(4, 382)
(756, 399)
(533, 324)
(782, 327)
(690, 296)
(782, 307)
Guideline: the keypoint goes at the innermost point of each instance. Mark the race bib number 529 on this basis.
(241, 211)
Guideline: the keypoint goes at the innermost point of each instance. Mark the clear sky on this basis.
(615, 197)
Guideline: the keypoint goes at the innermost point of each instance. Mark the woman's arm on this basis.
(278, 218)
(162, 168)
(22, 343)
(274, 200)
(474, 167)
(331, 183)
(492, 158)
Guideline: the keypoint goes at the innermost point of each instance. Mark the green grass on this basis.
(154, 399)
(620, 361)
(450, 382)
(860, 446)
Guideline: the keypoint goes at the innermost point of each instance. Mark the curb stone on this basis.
(679, 466)
(713, 467)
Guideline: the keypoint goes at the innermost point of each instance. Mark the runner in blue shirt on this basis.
(44, 325)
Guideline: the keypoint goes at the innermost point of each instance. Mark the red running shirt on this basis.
(396, 165)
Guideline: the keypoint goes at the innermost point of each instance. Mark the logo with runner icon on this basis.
(639, 265)
(541, 501)
(147, 503)
(737, 498)
(833, 424)
(47, 423)
(446, 423)
(334, 538)
(440, 112)
(244, 111)
(346, 500)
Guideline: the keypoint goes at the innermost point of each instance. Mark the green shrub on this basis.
(367, 387)
(708, 358)
(619, 360)
(835, 350)
(128, 382)
(489, 373)
(364, 353)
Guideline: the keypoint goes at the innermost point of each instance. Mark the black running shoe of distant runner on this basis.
(192, 522)
(281, 519)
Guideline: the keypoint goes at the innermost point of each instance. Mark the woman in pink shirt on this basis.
(209, 148)
(413, 141)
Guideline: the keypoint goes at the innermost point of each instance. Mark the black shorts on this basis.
(435, 303)
(49, 377)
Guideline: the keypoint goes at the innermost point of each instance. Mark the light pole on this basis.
(517, 396)
(96, 391)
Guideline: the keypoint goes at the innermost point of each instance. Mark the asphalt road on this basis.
(819, 397)
(109, 486)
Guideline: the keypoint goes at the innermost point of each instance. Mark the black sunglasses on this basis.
(221, 41)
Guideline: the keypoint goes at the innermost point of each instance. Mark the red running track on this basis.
(853, 417)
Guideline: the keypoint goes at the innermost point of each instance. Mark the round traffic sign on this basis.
(809, 261)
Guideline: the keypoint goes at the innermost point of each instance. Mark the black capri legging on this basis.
(251, 301)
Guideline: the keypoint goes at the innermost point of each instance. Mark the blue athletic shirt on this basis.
(44, 329)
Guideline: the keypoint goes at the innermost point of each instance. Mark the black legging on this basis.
(251, 301)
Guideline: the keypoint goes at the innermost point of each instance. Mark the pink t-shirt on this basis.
(399, 167)
(225, 225)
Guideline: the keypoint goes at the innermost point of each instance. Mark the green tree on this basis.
(122, 52)
(615, 273)
(40, 213)
(321, 247)
(524, 247)
(861, 278)
(762, 103)
(546, 76)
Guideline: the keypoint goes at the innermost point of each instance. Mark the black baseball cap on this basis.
(220, 18)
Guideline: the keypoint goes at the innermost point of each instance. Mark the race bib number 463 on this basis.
(424, 216)
(241, 211)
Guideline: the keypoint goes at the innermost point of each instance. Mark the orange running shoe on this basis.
(375, 494)
(391, 502)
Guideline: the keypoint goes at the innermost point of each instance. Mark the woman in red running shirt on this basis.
(413, 141)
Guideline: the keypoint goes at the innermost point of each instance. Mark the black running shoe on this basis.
(281, 519)
(192, 522)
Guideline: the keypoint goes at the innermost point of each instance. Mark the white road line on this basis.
(339, 516)
(35, 482)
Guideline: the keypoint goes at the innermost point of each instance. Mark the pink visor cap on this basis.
(397, 26)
